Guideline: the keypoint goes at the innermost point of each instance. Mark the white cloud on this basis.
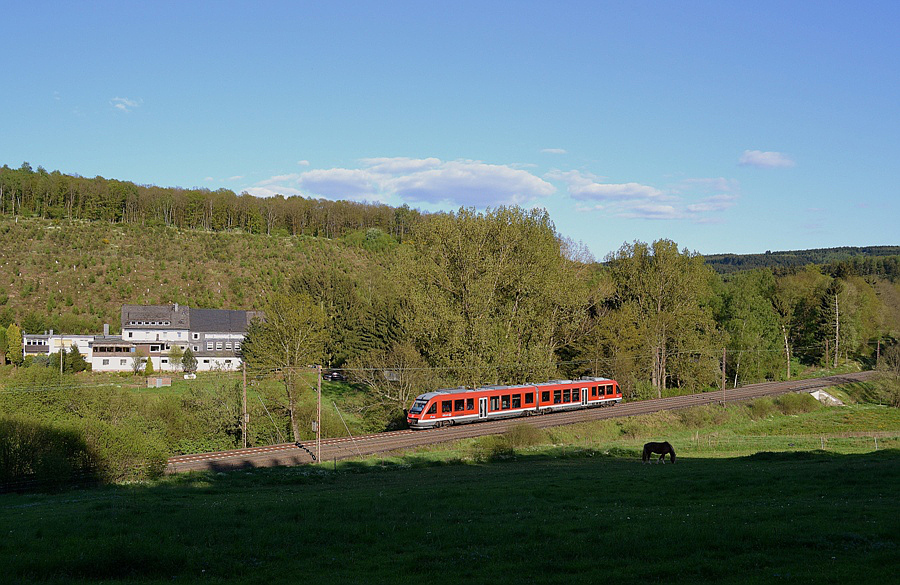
(714, 203)
(638, 201)
(235, 178)
(303, 163)
(584, 186)
(652, 211)
(622, 191)
(124, 104)
(400, 165)
(554, 150)
(471, 183)
(424, 180)
(765, 160)
(716, 184)
(209, 179)
(281, 179)
(340, 184)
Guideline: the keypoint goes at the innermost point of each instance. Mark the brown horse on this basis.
(662, 449)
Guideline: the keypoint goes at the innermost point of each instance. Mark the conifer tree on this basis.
(14, 350)
(188, 361)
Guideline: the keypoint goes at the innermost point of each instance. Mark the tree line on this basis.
(53, 195)
(499, 297)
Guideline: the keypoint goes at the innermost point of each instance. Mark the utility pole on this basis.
(245, 418)
(837, 328)
(723, 376)
(319, 416)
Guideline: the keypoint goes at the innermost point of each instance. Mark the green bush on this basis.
(34, 451)
(761, 408)
(797, 403)
(492, 448)
(524, 435)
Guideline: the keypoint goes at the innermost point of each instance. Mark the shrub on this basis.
(797, 403)
(524, 435)
(492, 448)
(761, 408)
(37, 452)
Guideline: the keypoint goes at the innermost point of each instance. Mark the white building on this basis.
(150, 332)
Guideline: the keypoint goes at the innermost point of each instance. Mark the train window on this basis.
(445, 405)
(593, 391)
(470, 404)
(495, 403)
(529, 398)
(557, 396)
(567, 396)
(459, 404)
(517, 401)
(417, 406)
(575, 394)
(433, 409)
(609, 390)
(545, 396)
(505, 401)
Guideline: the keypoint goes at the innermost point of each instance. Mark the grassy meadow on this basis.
(747, 502)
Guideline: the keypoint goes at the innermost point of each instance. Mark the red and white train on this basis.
(447, 407)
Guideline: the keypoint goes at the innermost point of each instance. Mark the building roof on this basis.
(168, 317)
(220, 320)
(164, 316)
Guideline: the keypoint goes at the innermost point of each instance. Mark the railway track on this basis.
(347, 447)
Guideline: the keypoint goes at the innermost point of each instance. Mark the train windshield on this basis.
(417, 406)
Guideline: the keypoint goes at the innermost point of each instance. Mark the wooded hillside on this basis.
(446, 299)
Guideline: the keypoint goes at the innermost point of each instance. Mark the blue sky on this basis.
(725, 126)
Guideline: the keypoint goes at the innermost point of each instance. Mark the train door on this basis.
(584, 396)
(482, 407)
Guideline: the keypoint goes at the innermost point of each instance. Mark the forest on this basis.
(54, 195)
(403, 301)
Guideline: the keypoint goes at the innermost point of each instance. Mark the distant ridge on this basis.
(728, 263)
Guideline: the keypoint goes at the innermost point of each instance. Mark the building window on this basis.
(237, 345)
(195, 336)
(218, 346)
(205, 361)
(165, 361)
(228, 345)
(196, 348)
(121, 362)
(129, 334)
(209, 345)
(179, 334)
(154, 348)
(105, 362)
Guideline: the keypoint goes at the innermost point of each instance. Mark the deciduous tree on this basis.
(290, 337)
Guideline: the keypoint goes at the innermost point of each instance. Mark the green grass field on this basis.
(752, 499)
(796, 517)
